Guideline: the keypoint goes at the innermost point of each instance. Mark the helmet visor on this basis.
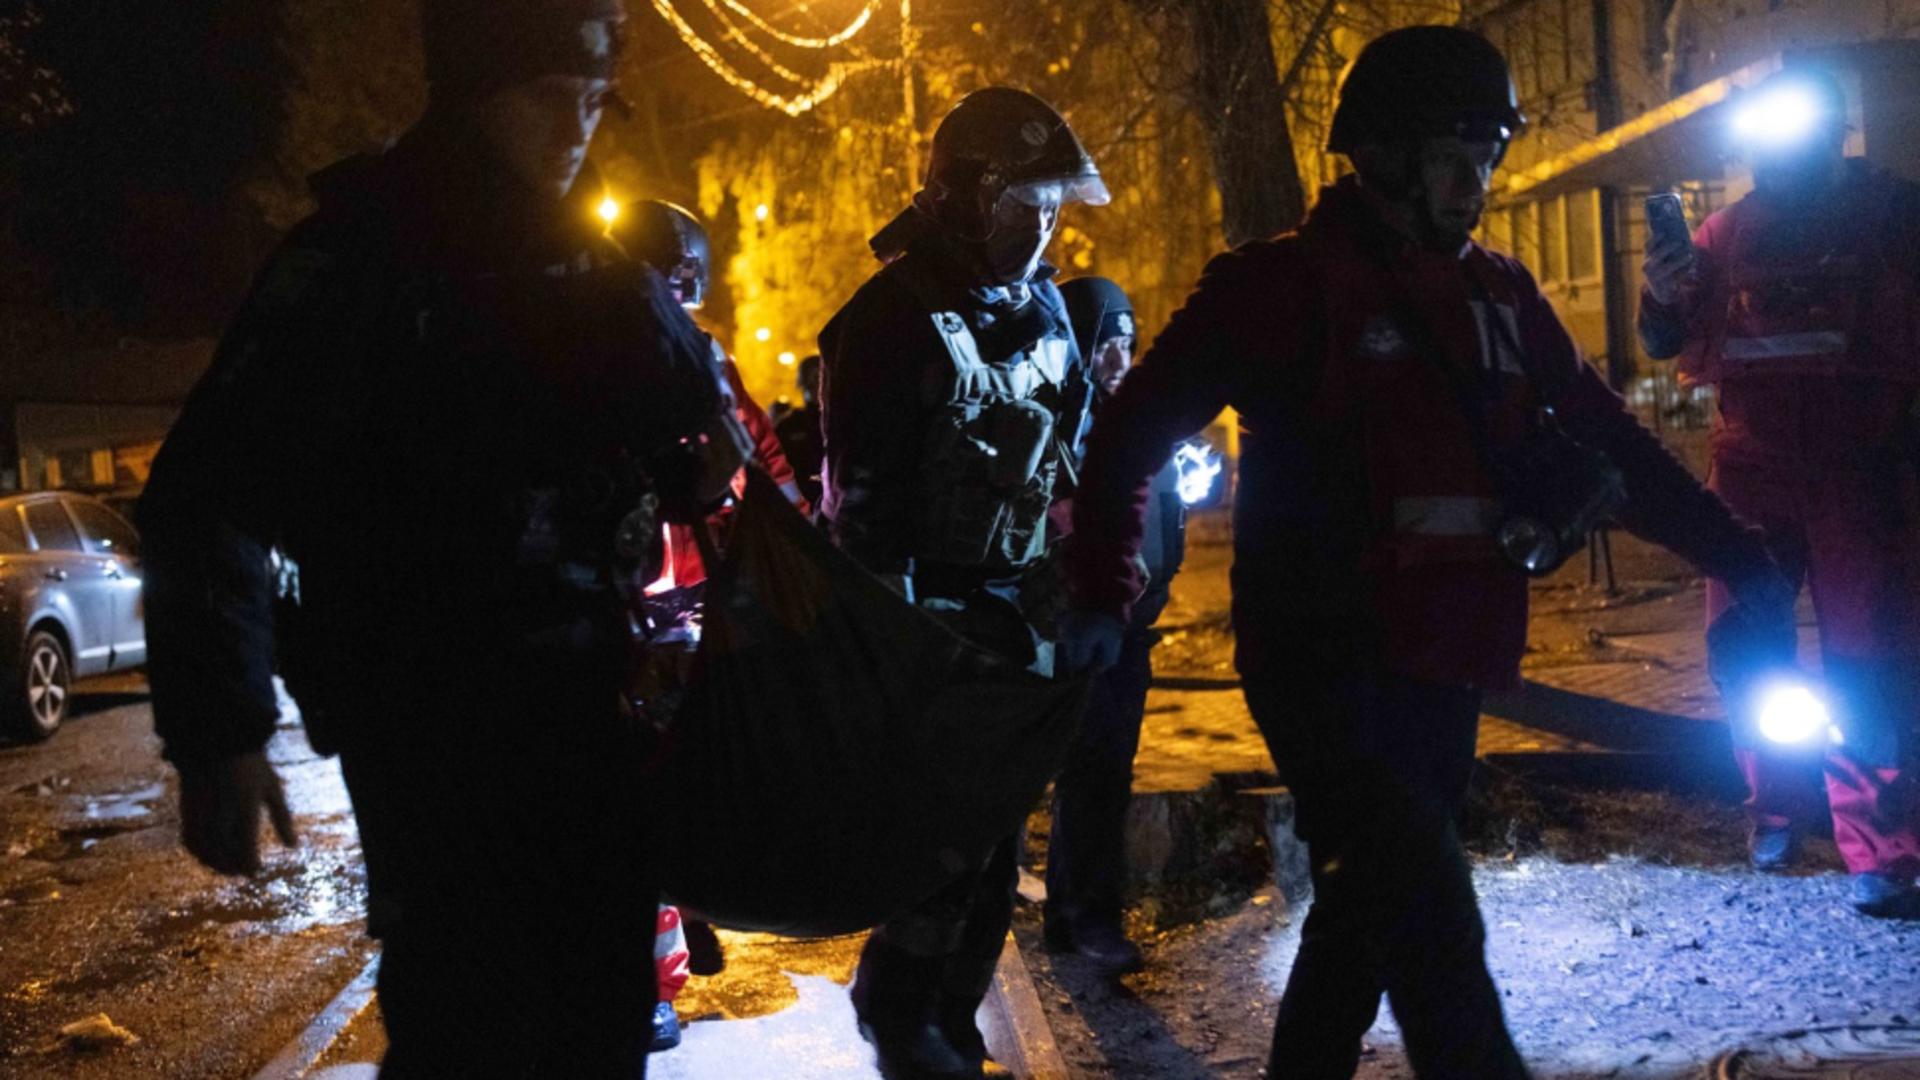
(1059, 191)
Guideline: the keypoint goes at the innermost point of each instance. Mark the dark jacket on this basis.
(799, 435)
(1334, 343)
(440, 401)
(1163, 545)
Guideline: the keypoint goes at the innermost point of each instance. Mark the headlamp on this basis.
(1196, 465)
(1778, 117)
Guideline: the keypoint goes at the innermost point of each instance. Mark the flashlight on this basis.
(609, 210)
(1780, 116)
(1197, 464)
(1791, 714)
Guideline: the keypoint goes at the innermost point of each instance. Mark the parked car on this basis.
(69, 603)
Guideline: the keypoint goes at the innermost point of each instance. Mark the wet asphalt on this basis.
(101, 912)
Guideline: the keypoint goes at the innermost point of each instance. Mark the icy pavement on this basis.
(1636, 971)
(811, 1039)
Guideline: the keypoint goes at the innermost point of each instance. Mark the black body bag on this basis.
(839, 755)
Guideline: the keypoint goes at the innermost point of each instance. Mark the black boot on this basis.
(1100, 942)
(960, 1025)
(895, 997)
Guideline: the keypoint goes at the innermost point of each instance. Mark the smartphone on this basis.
(1667, 218)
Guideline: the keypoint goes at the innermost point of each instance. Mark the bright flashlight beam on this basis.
(1197, 466)
(1782, 116)
(1792, 715)
(609, 210)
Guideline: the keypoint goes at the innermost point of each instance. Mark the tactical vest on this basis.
(993, 452)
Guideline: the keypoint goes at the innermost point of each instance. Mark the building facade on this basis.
(1628, 97)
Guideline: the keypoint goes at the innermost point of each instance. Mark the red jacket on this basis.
(1363, 516)
(1808, 321)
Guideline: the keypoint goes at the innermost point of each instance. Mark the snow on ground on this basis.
(812, 1039)
(1632, 970)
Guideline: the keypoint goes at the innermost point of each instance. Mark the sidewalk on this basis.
(1622, 673)
(1618, 675)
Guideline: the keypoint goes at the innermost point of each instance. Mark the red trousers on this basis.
(1850, 534)
(670, 952)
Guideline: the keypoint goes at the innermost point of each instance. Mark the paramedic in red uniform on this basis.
(1799, 303)
(1380, 361)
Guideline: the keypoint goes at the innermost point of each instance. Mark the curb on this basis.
(299, 1057)
(1017, 1030)
(1016, 1024)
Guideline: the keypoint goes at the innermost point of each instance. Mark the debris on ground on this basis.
(95, 1033)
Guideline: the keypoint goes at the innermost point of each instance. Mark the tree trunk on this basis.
(1237, 94)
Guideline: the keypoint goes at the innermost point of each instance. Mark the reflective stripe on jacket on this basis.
(1826, 291)
(1362, 503)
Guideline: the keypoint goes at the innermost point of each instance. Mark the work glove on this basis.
(1756, 635)
(1090, 640)
(220, 806)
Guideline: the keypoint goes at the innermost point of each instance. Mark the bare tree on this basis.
(1257, 75)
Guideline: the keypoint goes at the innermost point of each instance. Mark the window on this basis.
(52, 528)
(13, 535)
(1553, 261)
(106, 532)
(1583, 236)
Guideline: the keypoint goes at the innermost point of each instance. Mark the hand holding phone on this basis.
(1670, 252)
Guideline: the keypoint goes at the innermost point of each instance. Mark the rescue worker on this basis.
(799, 430)
(670, 239)
(1086, 849)
(1800, 303)
(1391, 376)
(951, 387)
(451, 404)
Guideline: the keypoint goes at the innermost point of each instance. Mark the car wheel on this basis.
(46, 685)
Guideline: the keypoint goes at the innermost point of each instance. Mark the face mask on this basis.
(1022, 226)
(1013, 255)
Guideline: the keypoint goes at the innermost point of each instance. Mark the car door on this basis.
(112, 541)
(73, 582)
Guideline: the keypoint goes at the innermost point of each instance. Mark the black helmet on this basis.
(476, 47)
(1005, 143)
(1426, 81)
(671, 240)
(1098, 309)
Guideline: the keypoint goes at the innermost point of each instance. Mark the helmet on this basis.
(671, 240)
(1098, 309)
(1005, 143)
(1425, 81)
(476, 47)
